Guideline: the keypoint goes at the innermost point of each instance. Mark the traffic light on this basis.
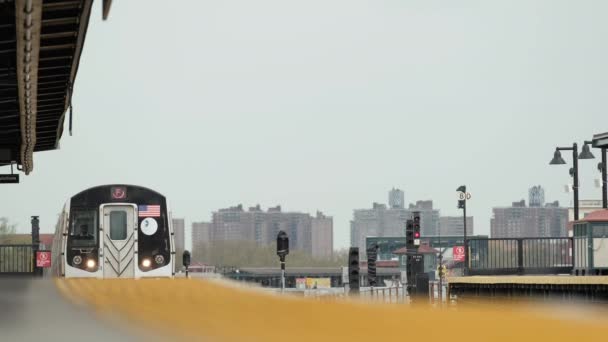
(409, 234)
(353, 270)
(416, 228)
(35, 230)
(186, 259)
(462, 200)
(372, 255)
(282, 245)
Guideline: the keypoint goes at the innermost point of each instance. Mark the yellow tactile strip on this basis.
(207, 310)
(541, 280)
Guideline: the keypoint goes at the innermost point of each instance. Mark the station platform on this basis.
(588, 289)
(34, 310)
(540, 279)
(219, 310)
(195, 309)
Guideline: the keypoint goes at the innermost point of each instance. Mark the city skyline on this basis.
(460, 101)
(486, 230)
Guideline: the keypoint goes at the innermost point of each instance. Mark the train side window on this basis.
(118, 225)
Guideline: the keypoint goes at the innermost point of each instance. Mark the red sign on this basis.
(43, 259)
(458, 252)
(119, 192)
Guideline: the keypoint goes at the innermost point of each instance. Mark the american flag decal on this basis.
(149, 210)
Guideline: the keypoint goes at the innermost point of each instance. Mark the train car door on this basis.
(118, 241)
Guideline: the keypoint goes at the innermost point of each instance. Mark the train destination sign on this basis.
(9, 178)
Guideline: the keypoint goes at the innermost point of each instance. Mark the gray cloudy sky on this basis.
(322, 104)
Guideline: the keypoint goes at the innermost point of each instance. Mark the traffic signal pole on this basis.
(36, 243)
(282, 274)
(466, 248)
(282, 252)
(462, 204)
(415, 262)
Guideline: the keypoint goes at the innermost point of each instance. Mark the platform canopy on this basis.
(40, 47)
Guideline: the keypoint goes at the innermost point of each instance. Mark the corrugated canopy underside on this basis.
(62, 29)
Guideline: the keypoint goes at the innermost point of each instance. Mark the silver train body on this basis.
(114, 231)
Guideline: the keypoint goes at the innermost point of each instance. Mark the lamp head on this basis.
(557, 159)
(586, 153)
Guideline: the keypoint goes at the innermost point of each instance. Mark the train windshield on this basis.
(83, 229)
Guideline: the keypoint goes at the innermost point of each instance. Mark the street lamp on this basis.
(586, 152)
(601, 141)
(558, 160)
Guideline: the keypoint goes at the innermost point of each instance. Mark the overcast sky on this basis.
(327, 104)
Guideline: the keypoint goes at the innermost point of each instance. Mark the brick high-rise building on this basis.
(313, 235)
(201, 237)
(518, 220)
(396, 199)
(536, 196)
(454, 226)
(322, 237)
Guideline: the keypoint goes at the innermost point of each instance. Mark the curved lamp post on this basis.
(558, 160)
(601, 141)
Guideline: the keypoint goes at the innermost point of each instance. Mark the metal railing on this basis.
(16, 259)
(390, 294)
(502, 256)
(438, 292)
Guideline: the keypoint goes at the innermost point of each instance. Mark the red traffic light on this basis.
(416, 235)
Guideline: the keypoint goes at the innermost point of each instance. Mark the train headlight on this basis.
(159, 259)
(77, 260)
(146, 263)
(91, 263)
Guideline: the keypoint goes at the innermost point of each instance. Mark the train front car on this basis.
(118, 231)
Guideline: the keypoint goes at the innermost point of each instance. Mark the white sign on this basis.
(464, 195)
(148, 226)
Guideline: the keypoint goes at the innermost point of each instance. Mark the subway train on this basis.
(114, 231)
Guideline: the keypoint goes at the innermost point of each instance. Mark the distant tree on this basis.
(7, 237)
(250, 254)
(5, 227)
